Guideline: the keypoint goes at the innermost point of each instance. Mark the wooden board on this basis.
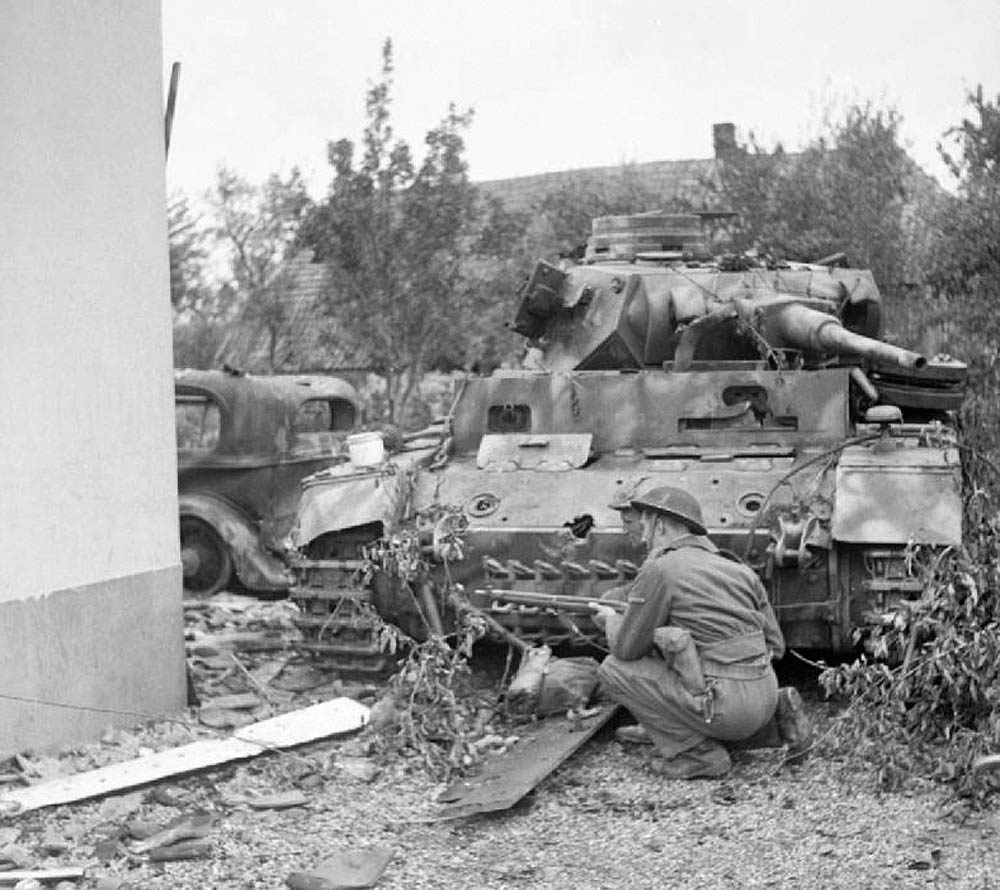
(40, 874)
(340, 715)
(505, 779)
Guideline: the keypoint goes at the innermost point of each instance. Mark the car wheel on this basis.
(206, 560)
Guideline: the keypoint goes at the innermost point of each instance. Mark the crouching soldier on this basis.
(691, 656)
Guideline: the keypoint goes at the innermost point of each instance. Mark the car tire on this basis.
(205, 558)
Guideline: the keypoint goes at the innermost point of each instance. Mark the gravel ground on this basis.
(599, 821)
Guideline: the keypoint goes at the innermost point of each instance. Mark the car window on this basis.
(198, 421)
(324, 416)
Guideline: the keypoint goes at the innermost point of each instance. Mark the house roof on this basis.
(682, 179)
(307, 339)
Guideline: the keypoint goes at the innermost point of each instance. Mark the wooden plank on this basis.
(339, 715)
(505, 779)
(40, 874)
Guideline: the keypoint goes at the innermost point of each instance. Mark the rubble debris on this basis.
(383, 713)
(170, 796)
(119, 807)
(185, 828)
(726, 794)
(222, 718)
(281, 800)
(264, 675)
(200, 849)
(222, 680)
(301, 678)
(14, 856)
(218, 628)
(213, 645)
(364, 769)
(143, 828)
(39, 769)
(335, 717)
(239, 701)
(53, 844)
(108, 848)
(925, 860)
(212, 662)
(312, 780)
(350, 869)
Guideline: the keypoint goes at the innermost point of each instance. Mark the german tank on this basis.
(820, 453)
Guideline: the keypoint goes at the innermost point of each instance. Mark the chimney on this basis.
(723, 139)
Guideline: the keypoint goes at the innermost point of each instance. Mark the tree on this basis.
(848, 191)
(258, 226)
(965, 260)
(188, 255)
(200, 309)
(562, 217)
(400, 240)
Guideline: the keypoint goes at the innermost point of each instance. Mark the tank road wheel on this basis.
(205, 558)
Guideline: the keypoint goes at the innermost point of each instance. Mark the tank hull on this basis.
(818, 453)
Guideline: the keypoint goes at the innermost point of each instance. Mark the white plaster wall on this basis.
(87, 460)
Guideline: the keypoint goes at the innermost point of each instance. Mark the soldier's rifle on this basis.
(555, 601)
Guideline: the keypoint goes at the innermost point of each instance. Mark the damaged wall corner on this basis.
(90, 593)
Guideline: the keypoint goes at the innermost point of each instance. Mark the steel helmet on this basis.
(675, 502)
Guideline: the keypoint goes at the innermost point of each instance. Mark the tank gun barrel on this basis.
(800, 327)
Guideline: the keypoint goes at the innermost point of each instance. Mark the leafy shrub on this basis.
(441, 719)
(925, 701)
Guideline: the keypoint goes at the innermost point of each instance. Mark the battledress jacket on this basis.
(690, 584)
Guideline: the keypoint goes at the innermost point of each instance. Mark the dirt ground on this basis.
(600, 820)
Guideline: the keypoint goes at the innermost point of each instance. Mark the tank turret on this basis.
(648, 293)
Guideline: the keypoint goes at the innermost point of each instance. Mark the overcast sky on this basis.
(560, 84)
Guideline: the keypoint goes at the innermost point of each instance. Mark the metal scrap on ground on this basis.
(335, 717)
(349, 869)
(511, 775)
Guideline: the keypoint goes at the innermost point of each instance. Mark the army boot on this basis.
(707, 760)
(794, 725)
(633, 734)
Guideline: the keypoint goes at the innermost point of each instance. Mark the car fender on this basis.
(257, 568)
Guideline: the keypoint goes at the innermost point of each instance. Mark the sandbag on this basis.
(568, 683)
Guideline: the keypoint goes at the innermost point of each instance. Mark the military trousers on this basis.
(729, 710)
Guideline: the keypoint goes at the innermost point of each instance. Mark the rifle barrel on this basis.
(555, 601)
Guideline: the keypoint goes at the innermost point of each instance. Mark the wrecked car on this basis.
(244, 443)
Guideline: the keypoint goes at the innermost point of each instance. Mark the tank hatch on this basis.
(657, 235)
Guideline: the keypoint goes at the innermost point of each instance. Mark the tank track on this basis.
(339, 623)
(337, 619)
